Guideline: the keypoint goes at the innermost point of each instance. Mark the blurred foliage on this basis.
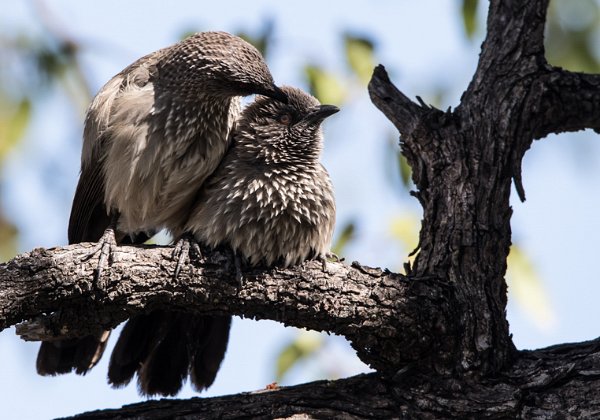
(404, 169)
(528, 289)
(396, 165)
(325, 86)
(360, 56)
(572, 34)
(405, 229)
(469, 17)
(14, 120)
(305, 345)
(8, 239)
(37, 64)
(344, 238)
(261, 39)
(33, 65)
(334, 88)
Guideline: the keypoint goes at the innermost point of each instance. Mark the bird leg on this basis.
(237, 261)
(105, 247)
(181, 251)
(323, 259)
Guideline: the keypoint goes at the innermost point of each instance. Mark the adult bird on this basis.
(152, 135)
(270, 201)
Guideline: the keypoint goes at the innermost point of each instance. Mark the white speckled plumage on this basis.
(270, 199)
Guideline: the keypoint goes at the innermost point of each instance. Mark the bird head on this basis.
(218, 64)
(276, 132)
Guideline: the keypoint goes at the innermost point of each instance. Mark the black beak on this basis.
(318, 114)
(275, 93)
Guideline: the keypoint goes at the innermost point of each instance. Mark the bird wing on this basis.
(89, 215)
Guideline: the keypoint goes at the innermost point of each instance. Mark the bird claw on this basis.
(334, 257)
(324, 257)
(105, 246)
(181, 252)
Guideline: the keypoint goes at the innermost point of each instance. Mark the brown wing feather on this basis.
(89, 217)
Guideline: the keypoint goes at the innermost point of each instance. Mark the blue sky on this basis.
(423, 46)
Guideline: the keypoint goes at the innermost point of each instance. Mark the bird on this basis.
(271, 201)
(152, 135)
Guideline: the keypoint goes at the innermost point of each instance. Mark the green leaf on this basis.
(305, 345)
(528, 290)
(405, 170)
(13, 126)
(343, 239)
(359, 53)
(325, 86)
(469, 15)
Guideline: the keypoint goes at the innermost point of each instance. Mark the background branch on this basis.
(561, 379)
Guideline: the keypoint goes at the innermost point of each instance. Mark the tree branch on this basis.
(396, 106)
(389, 320)
(565, 101)
(439, 338)
(561, 379)
(362, 303)
(323, 399)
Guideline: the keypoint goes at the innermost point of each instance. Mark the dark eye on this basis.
(285, 119)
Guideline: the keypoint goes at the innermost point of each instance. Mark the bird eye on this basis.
(285, 118)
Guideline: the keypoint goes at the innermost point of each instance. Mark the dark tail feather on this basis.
(164, 347)
(167, 365)
(87, 223)
(78, 354)
(210, 350)
(138, 337)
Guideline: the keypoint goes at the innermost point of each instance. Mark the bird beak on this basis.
(319, 113)
(275, 93)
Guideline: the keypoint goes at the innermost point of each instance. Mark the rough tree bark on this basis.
(438, 337)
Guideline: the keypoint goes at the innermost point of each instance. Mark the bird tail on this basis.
(64, 356)
(164, 347)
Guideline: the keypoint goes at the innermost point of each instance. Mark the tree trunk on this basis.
(437, 337)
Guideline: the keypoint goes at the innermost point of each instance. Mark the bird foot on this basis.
(334, 257)
(327, 256)
(105, 248)
(181, 252)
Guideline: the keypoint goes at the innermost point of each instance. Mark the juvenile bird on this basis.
(270, 200)
(152, 135)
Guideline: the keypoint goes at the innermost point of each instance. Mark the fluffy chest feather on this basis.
(276, 215)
